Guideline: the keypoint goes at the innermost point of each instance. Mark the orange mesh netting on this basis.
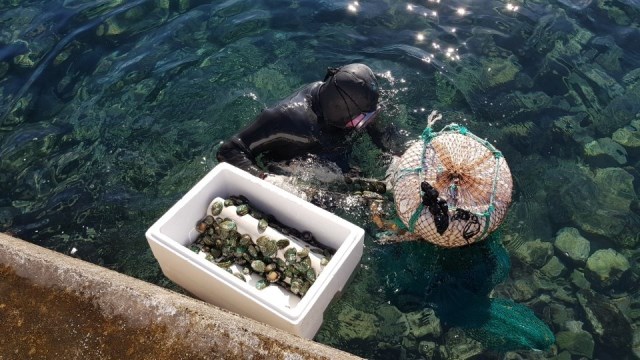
(472, 184)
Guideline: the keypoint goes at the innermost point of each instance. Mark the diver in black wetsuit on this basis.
(318, 119)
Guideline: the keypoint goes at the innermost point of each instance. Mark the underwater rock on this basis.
(615, 12)
(631, 80)
(616, 192)
(424, 323)
(393, 323)
(575, 128)
(605, 152)
(579, 343)
(233, 61)
(385, 350)
(570, 243)
(273, 82)
(560, 314)
(564, 294)
(553, 268)
(28, 59)
(458, 346)
(596, 202)
(606, 84)
(609, 59)
(611, 328)
(579, 280)
(233, 29)
(606, 267)
(635, 345)
(547, 39)
(20, 110)
(139, 18)
(518, 104)
(427, 349)
(564, 355)
(535, 253)
(498, 71)
(4, 67)
(356, 325)
(446, 92)
(524, 136)
(629, 137)
(7, 214)
(543, 282)
(522, 290)
(618, 113)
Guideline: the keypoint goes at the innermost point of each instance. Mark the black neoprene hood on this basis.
(347, 92)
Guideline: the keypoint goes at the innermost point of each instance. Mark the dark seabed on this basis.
(110, 111)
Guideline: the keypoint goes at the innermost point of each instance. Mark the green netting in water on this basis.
(508, 326)
(456, 282)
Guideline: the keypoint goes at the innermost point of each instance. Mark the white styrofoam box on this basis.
(170, 236)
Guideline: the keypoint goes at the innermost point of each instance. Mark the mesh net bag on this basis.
(452, 188)
(457, 283)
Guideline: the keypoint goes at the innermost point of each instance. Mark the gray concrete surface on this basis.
(54, 306)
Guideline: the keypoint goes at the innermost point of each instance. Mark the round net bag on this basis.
(452, 188)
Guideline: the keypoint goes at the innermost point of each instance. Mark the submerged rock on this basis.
(570, 243)
(427, 349)
(522, 290)
(605, 152)
(393, 323)
(636, 343)
(498, 71)
(602, 79)
(535, 253)
(424, 323)
(596, 202)
(611, 328)
(579, 343)
(618, 112)
(629, 137)
(356, 325)
(564, 355)
(575, 128)
(606, 267)
(561, 314)
(579, 280)
(631, 80)
(458, 346)
(553, 268)
(4, 67)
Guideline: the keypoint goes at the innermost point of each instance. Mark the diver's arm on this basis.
(387, 137)
(235, 152)
(243, 148)
(286, 129)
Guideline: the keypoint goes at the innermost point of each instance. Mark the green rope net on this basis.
(457, 283)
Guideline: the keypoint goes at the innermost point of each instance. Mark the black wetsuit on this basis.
(292, 128)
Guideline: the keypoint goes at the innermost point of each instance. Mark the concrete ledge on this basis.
(57, 307)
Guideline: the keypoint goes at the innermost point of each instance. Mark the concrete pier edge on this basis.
(190, 324)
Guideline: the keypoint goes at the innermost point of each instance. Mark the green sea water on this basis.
(110, 111)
